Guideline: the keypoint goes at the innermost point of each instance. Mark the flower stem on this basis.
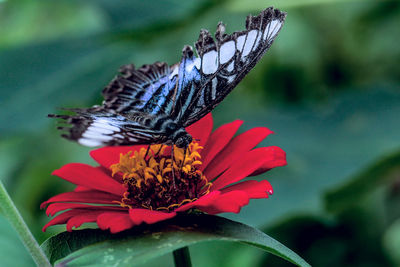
(182, 257)
(16, 220)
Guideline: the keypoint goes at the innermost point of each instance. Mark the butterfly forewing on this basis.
(222, 63)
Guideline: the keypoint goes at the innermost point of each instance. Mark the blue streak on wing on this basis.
(156, 94)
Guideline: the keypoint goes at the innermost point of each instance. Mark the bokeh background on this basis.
(328, 88)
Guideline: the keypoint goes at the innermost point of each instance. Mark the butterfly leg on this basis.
(147, 152)
(184, 157)
(172, 166)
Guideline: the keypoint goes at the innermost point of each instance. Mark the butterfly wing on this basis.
(97, 126)
(141, 90)
(204, 81)
(133, 110)
(139, 102)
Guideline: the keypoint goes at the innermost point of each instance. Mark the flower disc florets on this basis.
(154, 181)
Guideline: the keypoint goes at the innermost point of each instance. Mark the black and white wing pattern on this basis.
(204, 81)
(97, 126)
(153, 104)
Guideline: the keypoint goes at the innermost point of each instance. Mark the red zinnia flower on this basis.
(134, 185)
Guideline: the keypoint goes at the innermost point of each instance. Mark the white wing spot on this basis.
(89, 142)
(210, 62)
(257, 42)
(194, 63)
(96, 135)
(100, 130)
(240, 42)
(271, 29)
(102, 123)
(251, 37)
(226, 51)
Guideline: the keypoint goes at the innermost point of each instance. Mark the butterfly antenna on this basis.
(158, 152)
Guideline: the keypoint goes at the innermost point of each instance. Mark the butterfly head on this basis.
(181, 138)
(183, 141)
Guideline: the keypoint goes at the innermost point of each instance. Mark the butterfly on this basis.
(154, 103)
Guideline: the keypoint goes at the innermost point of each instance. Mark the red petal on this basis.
(57, 207)
(90, 177)
(203, 201)
(91, 196)
(229, 202)
(106, 156)
(280, 160)
(139, 216)
(61, 219)
(254, 189)
(235, 150)
(64, 217)
(201, 129)
(78, 220)
(250, 162)
(115, 221)
(79, 188)
(218, 140)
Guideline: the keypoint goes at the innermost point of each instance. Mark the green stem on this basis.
(182, 257)
(16, 220)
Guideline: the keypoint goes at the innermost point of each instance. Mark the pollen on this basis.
(158, 179)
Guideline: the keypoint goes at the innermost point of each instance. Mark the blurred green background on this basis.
(329, 89)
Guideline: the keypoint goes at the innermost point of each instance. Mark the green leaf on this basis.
(136, 246)
(363, 184)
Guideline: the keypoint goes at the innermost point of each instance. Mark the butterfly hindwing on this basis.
(222, 63)
(145, 89)
(99, 127)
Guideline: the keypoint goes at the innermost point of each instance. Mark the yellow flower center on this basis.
(154, 181)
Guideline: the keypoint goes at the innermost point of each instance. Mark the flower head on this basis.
(148, 184)
(155, 181)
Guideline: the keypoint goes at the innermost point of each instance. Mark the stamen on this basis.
(157, 180)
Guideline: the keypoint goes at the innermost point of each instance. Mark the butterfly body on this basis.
(154, 104)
